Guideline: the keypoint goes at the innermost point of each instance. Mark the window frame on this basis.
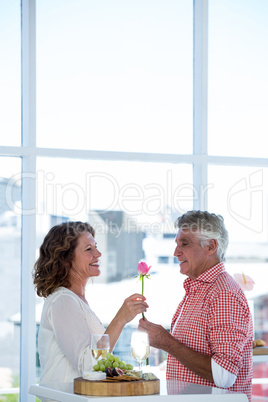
(29, 153)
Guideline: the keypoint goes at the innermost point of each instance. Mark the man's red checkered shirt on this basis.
(215, 320)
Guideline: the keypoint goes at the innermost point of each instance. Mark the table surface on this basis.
(170, 391)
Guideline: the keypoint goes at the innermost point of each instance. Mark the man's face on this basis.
(194, 260)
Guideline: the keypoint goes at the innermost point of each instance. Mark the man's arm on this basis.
(162, 339)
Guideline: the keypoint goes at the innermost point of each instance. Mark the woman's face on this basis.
(85, 263)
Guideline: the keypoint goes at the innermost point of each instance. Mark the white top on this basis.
(66, 326)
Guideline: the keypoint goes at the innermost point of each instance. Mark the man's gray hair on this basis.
(206, 226)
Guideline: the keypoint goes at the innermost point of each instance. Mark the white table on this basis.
(170, 391)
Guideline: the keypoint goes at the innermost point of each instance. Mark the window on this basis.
(129, 204)
(163, 260)
(10, 273)
(113, 71)
(238, 61)
(10, 94)
(109, 136)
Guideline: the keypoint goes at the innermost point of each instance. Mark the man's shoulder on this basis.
(226, 281)
(227, 287)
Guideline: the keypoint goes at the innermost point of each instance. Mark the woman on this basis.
(68, 258)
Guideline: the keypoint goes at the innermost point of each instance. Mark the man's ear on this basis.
(212, 246)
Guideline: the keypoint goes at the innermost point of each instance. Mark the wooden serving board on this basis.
(260, 350)
(110, 388)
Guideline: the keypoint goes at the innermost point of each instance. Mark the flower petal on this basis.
(143, 268)
(245, 281)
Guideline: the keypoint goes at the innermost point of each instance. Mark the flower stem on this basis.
(142, 288)
(143, 317)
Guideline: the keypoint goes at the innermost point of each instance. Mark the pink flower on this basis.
(143, 268)
(245, 281)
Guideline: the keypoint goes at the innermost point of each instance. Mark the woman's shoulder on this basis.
(62, 294)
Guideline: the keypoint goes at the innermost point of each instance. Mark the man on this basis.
(211, 336)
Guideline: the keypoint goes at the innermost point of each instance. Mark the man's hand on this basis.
(162, 339)
(159, 337)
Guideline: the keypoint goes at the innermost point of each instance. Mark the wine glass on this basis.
(140, 348)
(100, 345)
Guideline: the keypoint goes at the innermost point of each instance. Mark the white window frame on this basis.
(28, 152)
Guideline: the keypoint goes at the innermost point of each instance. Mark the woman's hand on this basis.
(133, 305)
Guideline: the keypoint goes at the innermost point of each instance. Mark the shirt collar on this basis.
(208, 276)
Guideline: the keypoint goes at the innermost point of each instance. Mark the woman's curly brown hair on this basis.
(51, 270)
